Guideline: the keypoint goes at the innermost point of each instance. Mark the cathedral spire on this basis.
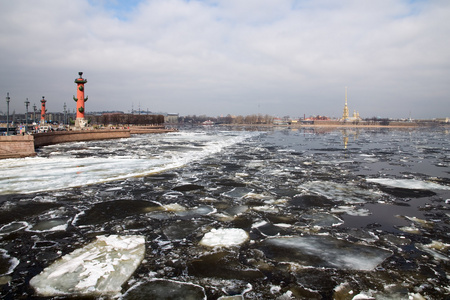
(345, 114)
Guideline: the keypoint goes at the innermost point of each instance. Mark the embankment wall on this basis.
(16, 146)
(50, 138)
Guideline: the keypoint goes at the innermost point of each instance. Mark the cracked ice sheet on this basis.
(412, 184)
(100, 267)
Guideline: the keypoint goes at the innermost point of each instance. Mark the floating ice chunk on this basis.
(348, 193)
(410, 229)
(434, 249)
(100, 267)
(174, 207)
(242, 174)
(259, 224)
(411, 184)
(7, 263)
(224, 237)
(352, 211)
(421, 222)
(13, 227)
(237, 192)
(165, 289)
(197, 211)
(324, 252)
(362, 296)
(323, 219)
(59, 224)
(266, 208)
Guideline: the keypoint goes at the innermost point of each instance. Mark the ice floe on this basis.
(100, 267)
(7, 263)
(324, 251)
(338, 192)
(435, 248)
(224, 237)
(13, 227)
(412, 184)
(165, 289)
(58, 224)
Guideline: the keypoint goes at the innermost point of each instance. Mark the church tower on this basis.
(345, 114)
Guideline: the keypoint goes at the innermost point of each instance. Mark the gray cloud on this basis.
(230, 56)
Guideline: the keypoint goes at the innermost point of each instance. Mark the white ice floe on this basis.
(174, 207)
(100, 267)
(412, 184)
(224, 237)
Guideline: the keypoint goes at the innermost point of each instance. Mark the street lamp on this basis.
(34, 115)
(7, 115)
(65, 113)
(26, 115)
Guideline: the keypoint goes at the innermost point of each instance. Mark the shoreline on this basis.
(412, 126)
(20, 146)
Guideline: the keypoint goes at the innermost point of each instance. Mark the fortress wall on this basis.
(56, 137)
(15, 146)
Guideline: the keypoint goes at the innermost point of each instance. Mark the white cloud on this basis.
(238, 57)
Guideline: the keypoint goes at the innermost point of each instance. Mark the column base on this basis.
(80, 123)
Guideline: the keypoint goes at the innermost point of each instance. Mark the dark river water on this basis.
(237, 214)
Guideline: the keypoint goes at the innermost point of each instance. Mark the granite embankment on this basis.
(57, 137)
(16, 146)
(23, 146)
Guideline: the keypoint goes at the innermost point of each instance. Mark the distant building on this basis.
(345, 114)
(280, 121)
(171, 118)
(442, 120)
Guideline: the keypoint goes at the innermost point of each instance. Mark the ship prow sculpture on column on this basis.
(43, 111)
(80, 121)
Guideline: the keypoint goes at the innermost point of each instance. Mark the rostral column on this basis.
(43, 110)
(80, 122)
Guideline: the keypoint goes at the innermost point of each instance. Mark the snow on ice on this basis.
(413, 184)
(224, 237)
(100, 267)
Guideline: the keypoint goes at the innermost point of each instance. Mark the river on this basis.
(322, 213)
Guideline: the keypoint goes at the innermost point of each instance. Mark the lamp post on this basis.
(7, 113)
(65, 114)
(27, 103)
(34, 115)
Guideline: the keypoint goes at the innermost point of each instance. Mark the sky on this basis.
(237, 57)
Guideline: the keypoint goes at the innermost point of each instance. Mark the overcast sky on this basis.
(238, 57)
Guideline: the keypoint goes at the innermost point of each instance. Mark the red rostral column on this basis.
(80, 121)
(43, 110)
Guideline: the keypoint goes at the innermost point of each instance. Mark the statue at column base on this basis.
(80, 123)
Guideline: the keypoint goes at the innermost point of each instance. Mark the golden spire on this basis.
(345, 114)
